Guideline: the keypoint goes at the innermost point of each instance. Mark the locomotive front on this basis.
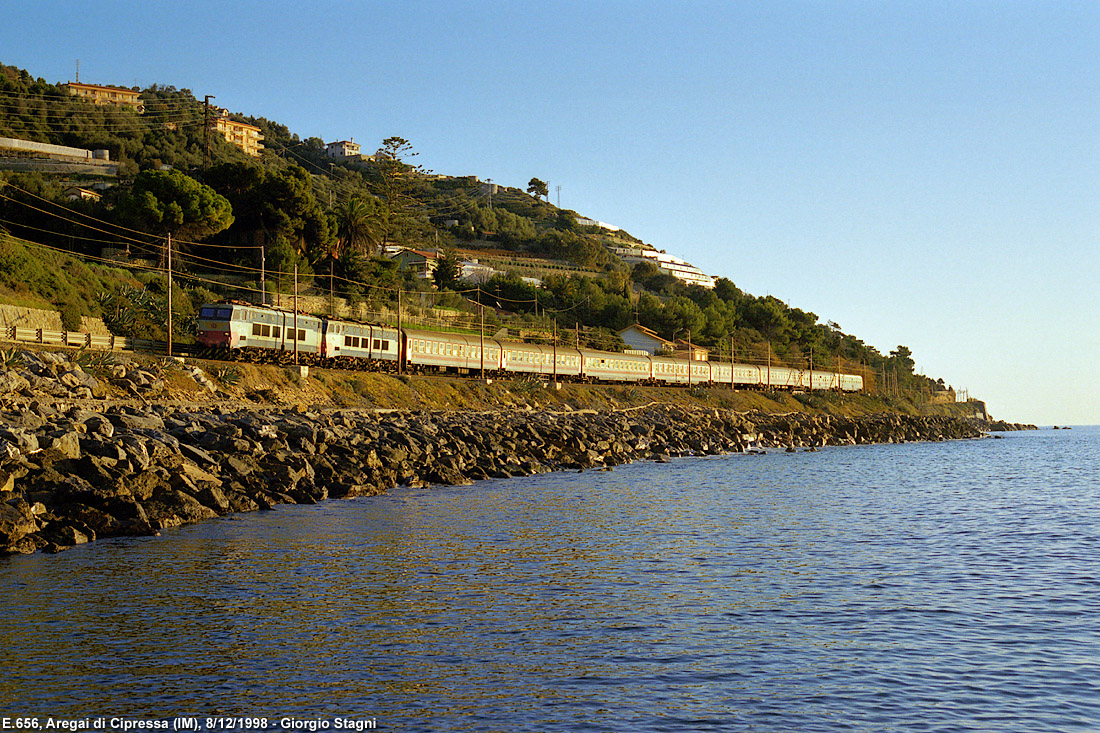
(215, 329)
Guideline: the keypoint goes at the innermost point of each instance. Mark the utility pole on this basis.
(169, 266)
(733, 358)
(263, 276)
(400, 330)
(295, 313)
(769, 365)
(555, 350)
(689, 357)
(556, 188)
(481, 312)
(206, 132)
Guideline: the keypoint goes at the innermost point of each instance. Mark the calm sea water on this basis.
(949, 586)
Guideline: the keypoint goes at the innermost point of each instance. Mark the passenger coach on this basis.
(243, 327)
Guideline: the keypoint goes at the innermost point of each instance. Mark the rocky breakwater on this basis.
(72, 473)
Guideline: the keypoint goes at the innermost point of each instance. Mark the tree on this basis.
(273, 204)
(903, 359)
(358, 225)
(447, 270)
(537, 188)
(393, 184)
(171, 202)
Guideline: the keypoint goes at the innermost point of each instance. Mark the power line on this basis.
(107, 223)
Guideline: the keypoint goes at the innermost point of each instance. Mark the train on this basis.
(265, 332)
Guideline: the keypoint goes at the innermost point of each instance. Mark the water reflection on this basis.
(883, 587)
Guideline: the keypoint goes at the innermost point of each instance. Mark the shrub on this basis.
(70, 316)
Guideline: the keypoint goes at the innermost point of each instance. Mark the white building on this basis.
(680, 269)
(586, 222)
(640, 338)
(343, 149)
(475, 272)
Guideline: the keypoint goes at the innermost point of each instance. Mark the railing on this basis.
(76, 339)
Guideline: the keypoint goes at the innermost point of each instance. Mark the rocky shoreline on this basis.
(72, 471)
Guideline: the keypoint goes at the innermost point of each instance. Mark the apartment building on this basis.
(245, 136)
(115, 96)
(666, 263)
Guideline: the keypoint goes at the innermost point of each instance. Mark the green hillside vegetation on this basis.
(234, 219)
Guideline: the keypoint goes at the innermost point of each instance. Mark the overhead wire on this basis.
(146, 246)
(105, 223)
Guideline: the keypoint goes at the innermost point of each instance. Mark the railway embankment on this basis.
(76, 467)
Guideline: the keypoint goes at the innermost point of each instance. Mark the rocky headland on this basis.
(75, 467)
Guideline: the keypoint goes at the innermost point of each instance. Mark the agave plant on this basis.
(230, 375)
(93, 362)
(698, 391)
(10, 358)
(528, 383)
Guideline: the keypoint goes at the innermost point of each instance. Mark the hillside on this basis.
(242, 226)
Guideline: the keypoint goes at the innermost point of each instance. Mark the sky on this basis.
(921, 173)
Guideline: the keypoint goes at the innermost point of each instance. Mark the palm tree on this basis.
(357, 225)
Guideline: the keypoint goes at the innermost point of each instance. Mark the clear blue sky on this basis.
(923, 173)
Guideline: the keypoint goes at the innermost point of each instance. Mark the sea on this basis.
(915, 587)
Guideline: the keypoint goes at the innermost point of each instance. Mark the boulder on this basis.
(15, 525)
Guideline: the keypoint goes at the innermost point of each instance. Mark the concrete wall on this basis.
(14, 315)
(10, 142)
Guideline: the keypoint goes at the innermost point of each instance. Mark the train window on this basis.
(301, 334)
(347, 340)
(256, 329)
(275, 332)
(265, 330)
(376, 344)
(384, 345)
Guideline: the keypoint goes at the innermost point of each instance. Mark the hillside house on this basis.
(245, 136)
(114, 96)
(640, 338)
(343, 150)
(686, 350)
(420, 261)
(475, 272)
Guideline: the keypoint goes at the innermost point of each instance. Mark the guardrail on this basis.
(78, 340)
